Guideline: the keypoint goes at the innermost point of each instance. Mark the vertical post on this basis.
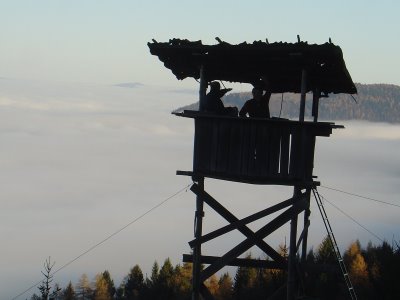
(307, 213)
(198, 228)
(203, 88)
(292, 282)
(315, 104)
(303, 94)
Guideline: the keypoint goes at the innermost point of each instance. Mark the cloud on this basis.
(102, 156)
(130, 85)
(369, 130)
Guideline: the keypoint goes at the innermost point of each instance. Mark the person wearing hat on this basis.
(214, 104)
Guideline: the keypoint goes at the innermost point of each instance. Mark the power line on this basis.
(359, 196)
(106, 239)
(351, 218)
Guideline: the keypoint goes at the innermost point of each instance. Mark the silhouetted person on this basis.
(258, 106)
(214, 103)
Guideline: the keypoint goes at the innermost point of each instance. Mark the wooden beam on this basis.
(302, 236)
(265, 264)
(240, 262)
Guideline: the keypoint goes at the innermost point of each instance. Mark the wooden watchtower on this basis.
(256, 151)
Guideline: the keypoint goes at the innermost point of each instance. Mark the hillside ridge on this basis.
(374, 102)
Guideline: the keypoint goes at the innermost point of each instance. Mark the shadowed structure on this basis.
(267, 151)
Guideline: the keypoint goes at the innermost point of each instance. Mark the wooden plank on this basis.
(274, 150)
(295, 154)
(262, 148)
(201, 153)
(284, 155)
(246, 132)
(214, 136)
(252, 149)
(223, 147)
(235, 148)
(240, 262)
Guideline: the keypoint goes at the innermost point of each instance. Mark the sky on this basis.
(82, 157)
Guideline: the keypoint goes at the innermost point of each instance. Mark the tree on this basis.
(357, 269)
(101, 291)
(134, 283)
(225, 287)
(83, 288)
(110, 283)
(327, 285)
(245, 280)
(45, 286)
(69, 292)
(166, 280)
(182, 281)
(212, 284)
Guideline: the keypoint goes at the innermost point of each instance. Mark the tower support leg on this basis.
(307, 213)
(198, 228)
(292, 281)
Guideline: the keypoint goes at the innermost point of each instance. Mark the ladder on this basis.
(335, 247)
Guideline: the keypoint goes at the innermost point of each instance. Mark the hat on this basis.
(214, 85)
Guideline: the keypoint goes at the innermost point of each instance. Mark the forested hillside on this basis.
(375, 103)
(373, 271)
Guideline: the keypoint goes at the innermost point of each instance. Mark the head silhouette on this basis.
(214, 86)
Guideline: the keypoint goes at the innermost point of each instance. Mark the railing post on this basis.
(303, 94)
(315, 104)
(203, 88)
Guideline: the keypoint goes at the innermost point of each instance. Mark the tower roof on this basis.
(282, 63)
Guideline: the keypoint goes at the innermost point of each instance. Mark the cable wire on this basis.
(359, 196)
(351, 218)
(106, 239)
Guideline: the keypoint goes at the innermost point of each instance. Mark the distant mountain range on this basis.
(374, 102)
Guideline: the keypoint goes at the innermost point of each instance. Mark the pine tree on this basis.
(134, 284)
(45, 286)
(69, 292)
(245, 280)
(327, 286)
(166, 280)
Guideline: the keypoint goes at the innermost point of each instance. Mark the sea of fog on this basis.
(80, 161)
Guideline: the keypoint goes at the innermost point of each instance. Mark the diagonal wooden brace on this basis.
(236, 225)
(214, 204)
(279, 221)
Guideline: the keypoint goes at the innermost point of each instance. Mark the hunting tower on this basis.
(260, 151)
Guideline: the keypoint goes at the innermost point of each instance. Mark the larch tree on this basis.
(84, 290)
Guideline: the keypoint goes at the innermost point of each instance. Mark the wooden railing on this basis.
(260, 151)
